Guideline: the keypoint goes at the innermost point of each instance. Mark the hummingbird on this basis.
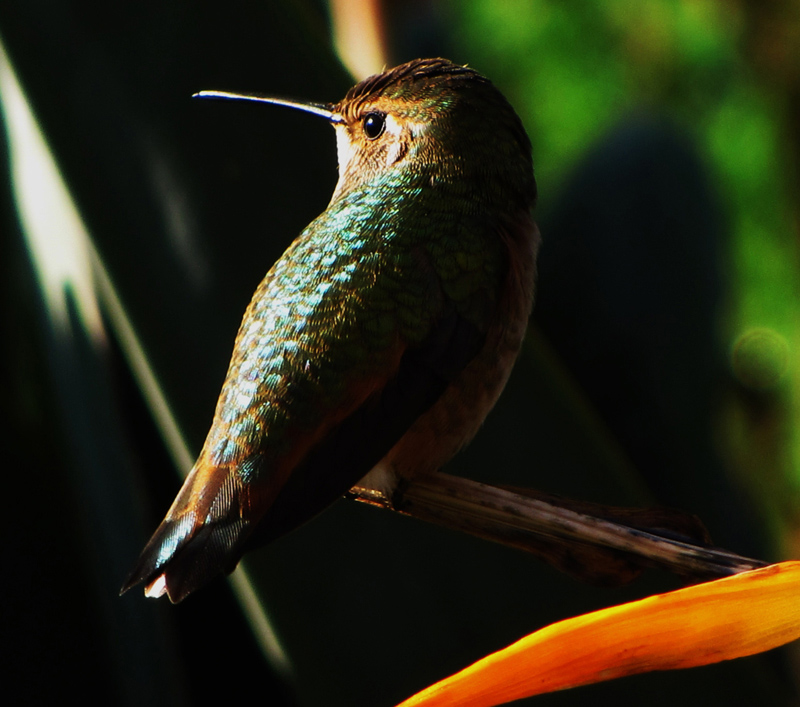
(379, 341)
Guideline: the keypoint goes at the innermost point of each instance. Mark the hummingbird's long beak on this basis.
(315, 108)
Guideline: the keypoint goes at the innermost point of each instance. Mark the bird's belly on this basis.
(455, 418)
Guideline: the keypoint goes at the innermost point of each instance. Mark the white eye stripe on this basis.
(394, 153)
(397, 147)
(393, 127)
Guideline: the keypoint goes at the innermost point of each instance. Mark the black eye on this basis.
(374, 124)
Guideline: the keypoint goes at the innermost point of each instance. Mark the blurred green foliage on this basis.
(728, 74)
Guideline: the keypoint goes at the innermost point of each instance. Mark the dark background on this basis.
(659, 369)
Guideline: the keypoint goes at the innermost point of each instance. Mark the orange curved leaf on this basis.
(707, 623)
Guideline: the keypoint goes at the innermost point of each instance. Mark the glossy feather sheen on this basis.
(385, 332)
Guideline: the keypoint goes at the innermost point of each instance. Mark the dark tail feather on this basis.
(201, 537)
(181, 557)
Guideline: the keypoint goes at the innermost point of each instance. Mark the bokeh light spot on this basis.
(760, 358)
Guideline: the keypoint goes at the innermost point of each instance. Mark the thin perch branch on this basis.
(592, 547)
